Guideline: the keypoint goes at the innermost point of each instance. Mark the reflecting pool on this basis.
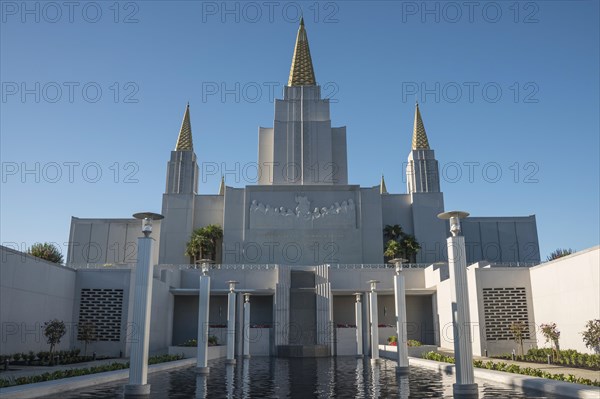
(264, 377)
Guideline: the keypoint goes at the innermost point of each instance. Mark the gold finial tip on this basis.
(302, 20)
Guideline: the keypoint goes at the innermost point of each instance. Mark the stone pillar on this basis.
(463, 351)
(203, 309)
(359, 325)
(281, 303)
(231, 297)
(246, 329)
(400, 299)
(374, 322)
(465, 386)
(142, 297)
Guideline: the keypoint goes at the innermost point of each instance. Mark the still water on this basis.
(264, 377)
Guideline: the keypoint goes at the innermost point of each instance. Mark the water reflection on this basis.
(360, 379)
(403, 387)
(201, 386)
(246, 378)
(375, 380)
(263, 377)
(229, 379)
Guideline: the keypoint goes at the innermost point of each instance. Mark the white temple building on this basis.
(302, 241)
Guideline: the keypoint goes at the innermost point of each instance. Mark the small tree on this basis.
(552, 335)
(203, 243)
(406, 245)
(559, 253)
(86, 332)
(46, 251)
(54, 330)
(518, 330)
(392, 249)
(591, 335)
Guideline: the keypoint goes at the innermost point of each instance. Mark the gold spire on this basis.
(382, 187)
(222, 186)
(302, 73)
(419, 140)
(184, 141)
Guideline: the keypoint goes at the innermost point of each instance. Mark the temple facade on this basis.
(302, 241)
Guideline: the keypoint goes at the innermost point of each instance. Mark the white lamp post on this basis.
(203, 313)
(231, 323)
(359, 324)
(374, 322)
(246, 331)
(142, 297)
(400, 299)
(465, 385)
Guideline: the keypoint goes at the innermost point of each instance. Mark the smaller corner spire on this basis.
(184, 140)
(382, 187)
(222, 186)
(419, 139)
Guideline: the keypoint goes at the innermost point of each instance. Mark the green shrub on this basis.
(414, 342)
(59, 374)
(513, 368)
(568, 357)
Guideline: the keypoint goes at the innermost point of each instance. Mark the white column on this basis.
(142, 297)
(463, 351)
(246, 330)
(374, 323)
(400, 294)
(359, 325)
(203, 310)
(231, 297)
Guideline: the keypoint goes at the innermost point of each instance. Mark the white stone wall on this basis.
(33, 291)
(107, 241)
(567, 292)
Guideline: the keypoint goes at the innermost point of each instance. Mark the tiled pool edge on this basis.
(38, 389)
(564, 389)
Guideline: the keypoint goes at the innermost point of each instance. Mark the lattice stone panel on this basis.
(103, 308)
(502, 307)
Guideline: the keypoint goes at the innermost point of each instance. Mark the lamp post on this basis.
(203, 312)
(374, 322)
(142, 297)
(246, 331)
(231, 323)
(465, 385)
(400, 299)
(359, 324)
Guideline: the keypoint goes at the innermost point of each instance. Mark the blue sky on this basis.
(509, 94)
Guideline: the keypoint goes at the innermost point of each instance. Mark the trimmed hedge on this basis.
(513, 368)
(568, 358)
(59, 374)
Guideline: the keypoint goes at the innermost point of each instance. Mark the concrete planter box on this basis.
(417, 351)
(214, 352)
(413, 351)
(260, 341)
(385, 333)
(346, 341)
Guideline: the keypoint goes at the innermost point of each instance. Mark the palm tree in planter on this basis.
(392, 232)
(400, 244)
(203, 243)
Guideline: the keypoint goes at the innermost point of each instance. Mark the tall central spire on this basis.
(302, 72)
(184, 141)
(419, 140)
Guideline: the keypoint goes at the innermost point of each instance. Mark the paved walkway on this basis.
(27, 371)
(551, 368)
